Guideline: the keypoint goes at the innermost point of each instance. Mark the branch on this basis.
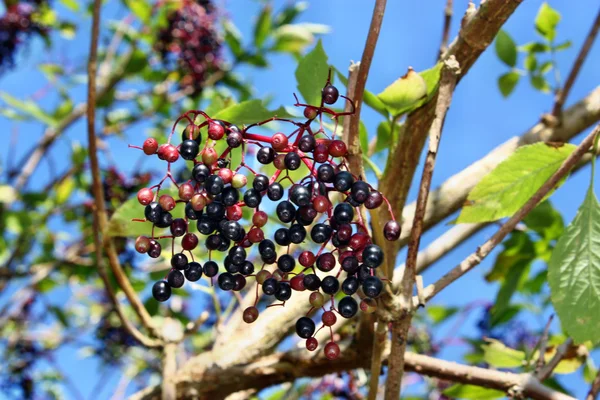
(354, 150)
(543, 344)
(446, 29)
(451, 195)
(595, 388)
(400, 327)
(474, 37)
(169, 368)
(475, 258)
(562, 350)
(563, 93)
(286, 367)
(100, 217)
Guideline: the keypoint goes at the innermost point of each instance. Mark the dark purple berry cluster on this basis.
(191, 42)
(16, 25)
(320, 212)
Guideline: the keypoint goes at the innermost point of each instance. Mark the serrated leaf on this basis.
(574, 273)
(439, 314)
(507, 82)
(404, 93)
(546, 21)
(504, 190)
(498, 355)
(141, 9)
(311, 74)
(28, 107)
(262, 26)
(248, 112)
(460, 391)
(506, 49)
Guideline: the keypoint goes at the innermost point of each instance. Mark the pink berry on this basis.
(279, 141)
(167, 202)
(186, 191)
(145, 196)
(215, 130)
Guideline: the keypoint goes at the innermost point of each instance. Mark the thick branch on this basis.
(563, 93)
(446, 29)
(475, 258)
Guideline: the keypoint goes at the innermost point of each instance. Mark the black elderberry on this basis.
(210, 268)
(350, 264)
(350, 285)
(175, 279)
(153, 212)
(372, 256)
(270, 286)
(305, 327)
(225, 243)
(307, 143)
(247, 268)
(282, 237)
(190, 213)
(330, 285)
(347, 307)
(230, 266)
(200, 172)
(189, 149)
(252, 198)
(372, 286)
(300, 195)
(360, 191)
(330, 94)
(237, 255)
(283, 292)
(320, 233)
(178, 227)
(275, 191)
(179, 261)
(261, 183)
(214, 184)
(193, 272)
(215, 211)
(292, 161)
(231, 230)
(166, 219)
(239, 282)
(265, 155)
(161, 291)
(234, 139)
(343, 181)
(325, 173)
(297, 233)
(213, 242)
(286, 263)
(286, 211)
(363, 273)
(222, 163)
(230, 196)
(226, 281)
(206, 225)
(343, 213)
(312, 282)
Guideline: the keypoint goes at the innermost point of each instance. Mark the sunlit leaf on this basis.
(498, 355)
(311, 74)
(507, 82)
(506, 49)
(546, 21)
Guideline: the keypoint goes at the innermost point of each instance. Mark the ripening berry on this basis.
(321, 153)
(279, 162)
(316, 299)
(310, 113)
(234, 213)
(215, 130)
(337, 148)
(167, 202)
(209, 156)
(234, 139)
(359, 240)
(186, 191)
(145, 196)
(198, 202)
(297, 283)
(256, 235)
(321, 204)
(170, 153)
(312, 344)
(328, 318)
(332, 351)
(238, 181)
(150, 146)
(226, 174)
(189, 241)
(279, 141)
(374, 200)
(250, 315)
(260, 218)
(142, 244)
(391, 230)
(306, 258)
(262, 276)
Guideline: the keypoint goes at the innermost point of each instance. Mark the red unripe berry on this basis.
(262, 276)
(150, 146)
(279, 162)
(234, 213)
(189, 241)
(166, 202)
(312, 344)
(328, 318)
(256, 235)
(332, 351)
(239, 181)
(337, 148)
(186, 191)
(145, 196)
(142, 244)
(209, 156)
(226, 174)
(344, 232)
(307, 258)
(171, 154)
(250, 314)
(310, 112)
(321, 204)
(326, 262)
(321, 153)
(279, 141)
(161, 151)
(297, 283)
(215, 131)
(260, 219)
(198, 202)
(359, 240)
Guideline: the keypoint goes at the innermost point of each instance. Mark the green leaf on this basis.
(504, 190)
(141, 9)
(7, 194)
(507, 82)
(546, 67)
(439, 314)
(506, 49)
(363, 136)
(71, 5)
(546, 21)
(64, 190)
(404, 93)
(473, 392)
(139, 61)
(311, 74)
(233, 38)
(534, 47)
(60, 315)
(498, 355)
(369, 98)
(63, 109)
(545, 221)
(563, 46)
(540, 83)
(574, 273)
(530, 62)
(384, 136)
(290, 12)
(262, 26)
(28, 107)
(516, 277)
(250, 111)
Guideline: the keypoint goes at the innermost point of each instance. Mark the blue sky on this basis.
(479, 118)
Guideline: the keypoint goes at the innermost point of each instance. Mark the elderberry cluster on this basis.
(320, 210)
(190, 41)
(16, 25)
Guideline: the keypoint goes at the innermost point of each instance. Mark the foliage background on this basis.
(480, 119)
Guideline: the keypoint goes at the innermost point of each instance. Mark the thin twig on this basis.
(446, 29)
(595, 388)
(562, 350)
(401, 325)
(100, 218)
(543, 344)
(475, 258)
(563, 93)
